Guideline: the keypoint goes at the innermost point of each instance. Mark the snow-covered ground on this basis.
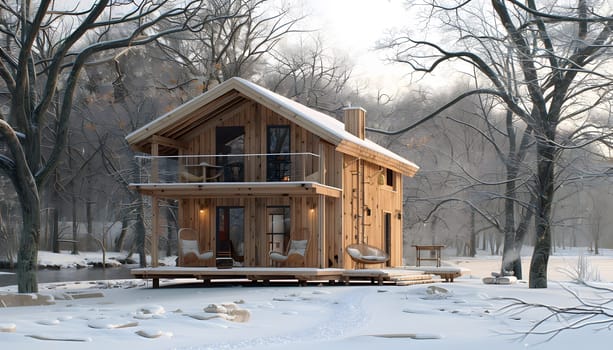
(466, 314)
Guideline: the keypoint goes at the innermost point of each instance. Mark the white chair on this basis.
(364, 254)
(295, 255)
(189, 250)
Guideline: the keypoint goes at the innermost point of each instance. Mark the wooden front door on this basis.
(230, 235)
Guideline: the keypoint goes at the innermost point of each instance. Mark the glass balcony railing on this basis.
(272, 167)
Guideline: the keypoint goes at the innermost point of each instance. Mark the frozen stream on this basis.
(8, 277)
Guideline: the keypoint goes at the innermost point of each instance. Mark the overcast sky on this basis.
(354, 26)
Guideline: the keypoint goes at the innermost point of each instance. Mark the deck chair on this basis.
(189, 251)
(295, 255)
(364, 254)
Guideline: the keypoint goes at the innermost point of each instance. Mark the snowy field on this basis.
(466, 314)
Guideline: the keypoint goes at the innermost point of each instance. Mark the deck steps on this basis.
(397, 276)
(412, 279)
(411, 282)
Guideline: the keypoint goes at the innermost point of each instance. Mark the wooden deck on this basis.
(302, 275)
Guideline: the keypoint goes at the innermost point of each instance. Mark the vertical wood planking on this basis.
(335, 169)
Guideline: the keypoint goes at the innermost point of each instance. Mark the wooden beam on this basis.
(176, 115)
(230, 189)
(220, 114)
(194, 119)
(168, 142)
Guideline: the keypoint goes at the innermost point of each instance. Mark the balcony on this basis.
(231, 175)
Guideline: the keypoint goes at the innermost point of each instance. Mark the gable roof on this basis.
(235, 91)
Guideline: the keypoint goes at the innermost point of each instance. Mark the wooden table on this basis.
(432, 248)
(205, 177)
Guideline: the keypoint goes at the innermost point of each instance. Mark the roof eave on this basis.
(404, 167)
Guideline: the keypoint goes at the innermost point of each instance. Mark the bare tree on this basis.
(309, 73)
(41, 58)
(561, 77)
(120, 95)
(594, 312)
(232, 45)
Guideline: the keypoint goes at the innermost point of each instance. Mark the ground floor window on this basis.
(278, 228)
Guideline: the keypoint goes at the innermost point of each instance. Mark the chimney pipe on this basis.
(355, 121)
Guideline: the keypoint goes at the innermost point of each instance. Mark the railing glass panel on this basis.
(274, 167)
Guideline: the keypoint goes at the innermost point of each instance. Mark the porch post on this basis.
(155, 208)
(321, 208)
(155, 222)
(321, 228)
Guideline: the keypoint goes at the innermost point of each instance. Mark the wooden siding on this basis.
(344, 220)
(365, 203)
(303, 209)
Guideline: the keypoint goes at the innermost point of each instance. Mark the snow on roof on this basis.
(325, 126)
(324, 121)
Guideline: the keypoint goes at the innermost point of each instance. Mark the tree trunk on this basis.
(510, 256)
(484, 241)
(544, 187)
(473, 236)
(124, 232)
(520, 234)
(90, 221)
(55, 230)
(28, 250)
(472, 247)
(75, 226)
(27, 259)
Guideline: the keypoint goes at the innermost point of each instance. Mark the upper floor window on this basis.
(278, 162)
(230, 148)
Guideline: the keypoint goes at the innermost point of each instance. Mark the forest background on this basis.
(475, 130)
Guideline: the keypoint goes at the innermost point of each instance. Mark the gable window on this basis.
(389, 177)
(278, 161)
(230, 149)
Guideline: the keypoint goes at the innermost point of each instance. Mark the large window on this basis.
(278, 162)
(278, 228)
(230, 146)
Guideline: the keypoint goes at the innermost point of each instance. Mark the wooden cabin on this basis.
(253, 171)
